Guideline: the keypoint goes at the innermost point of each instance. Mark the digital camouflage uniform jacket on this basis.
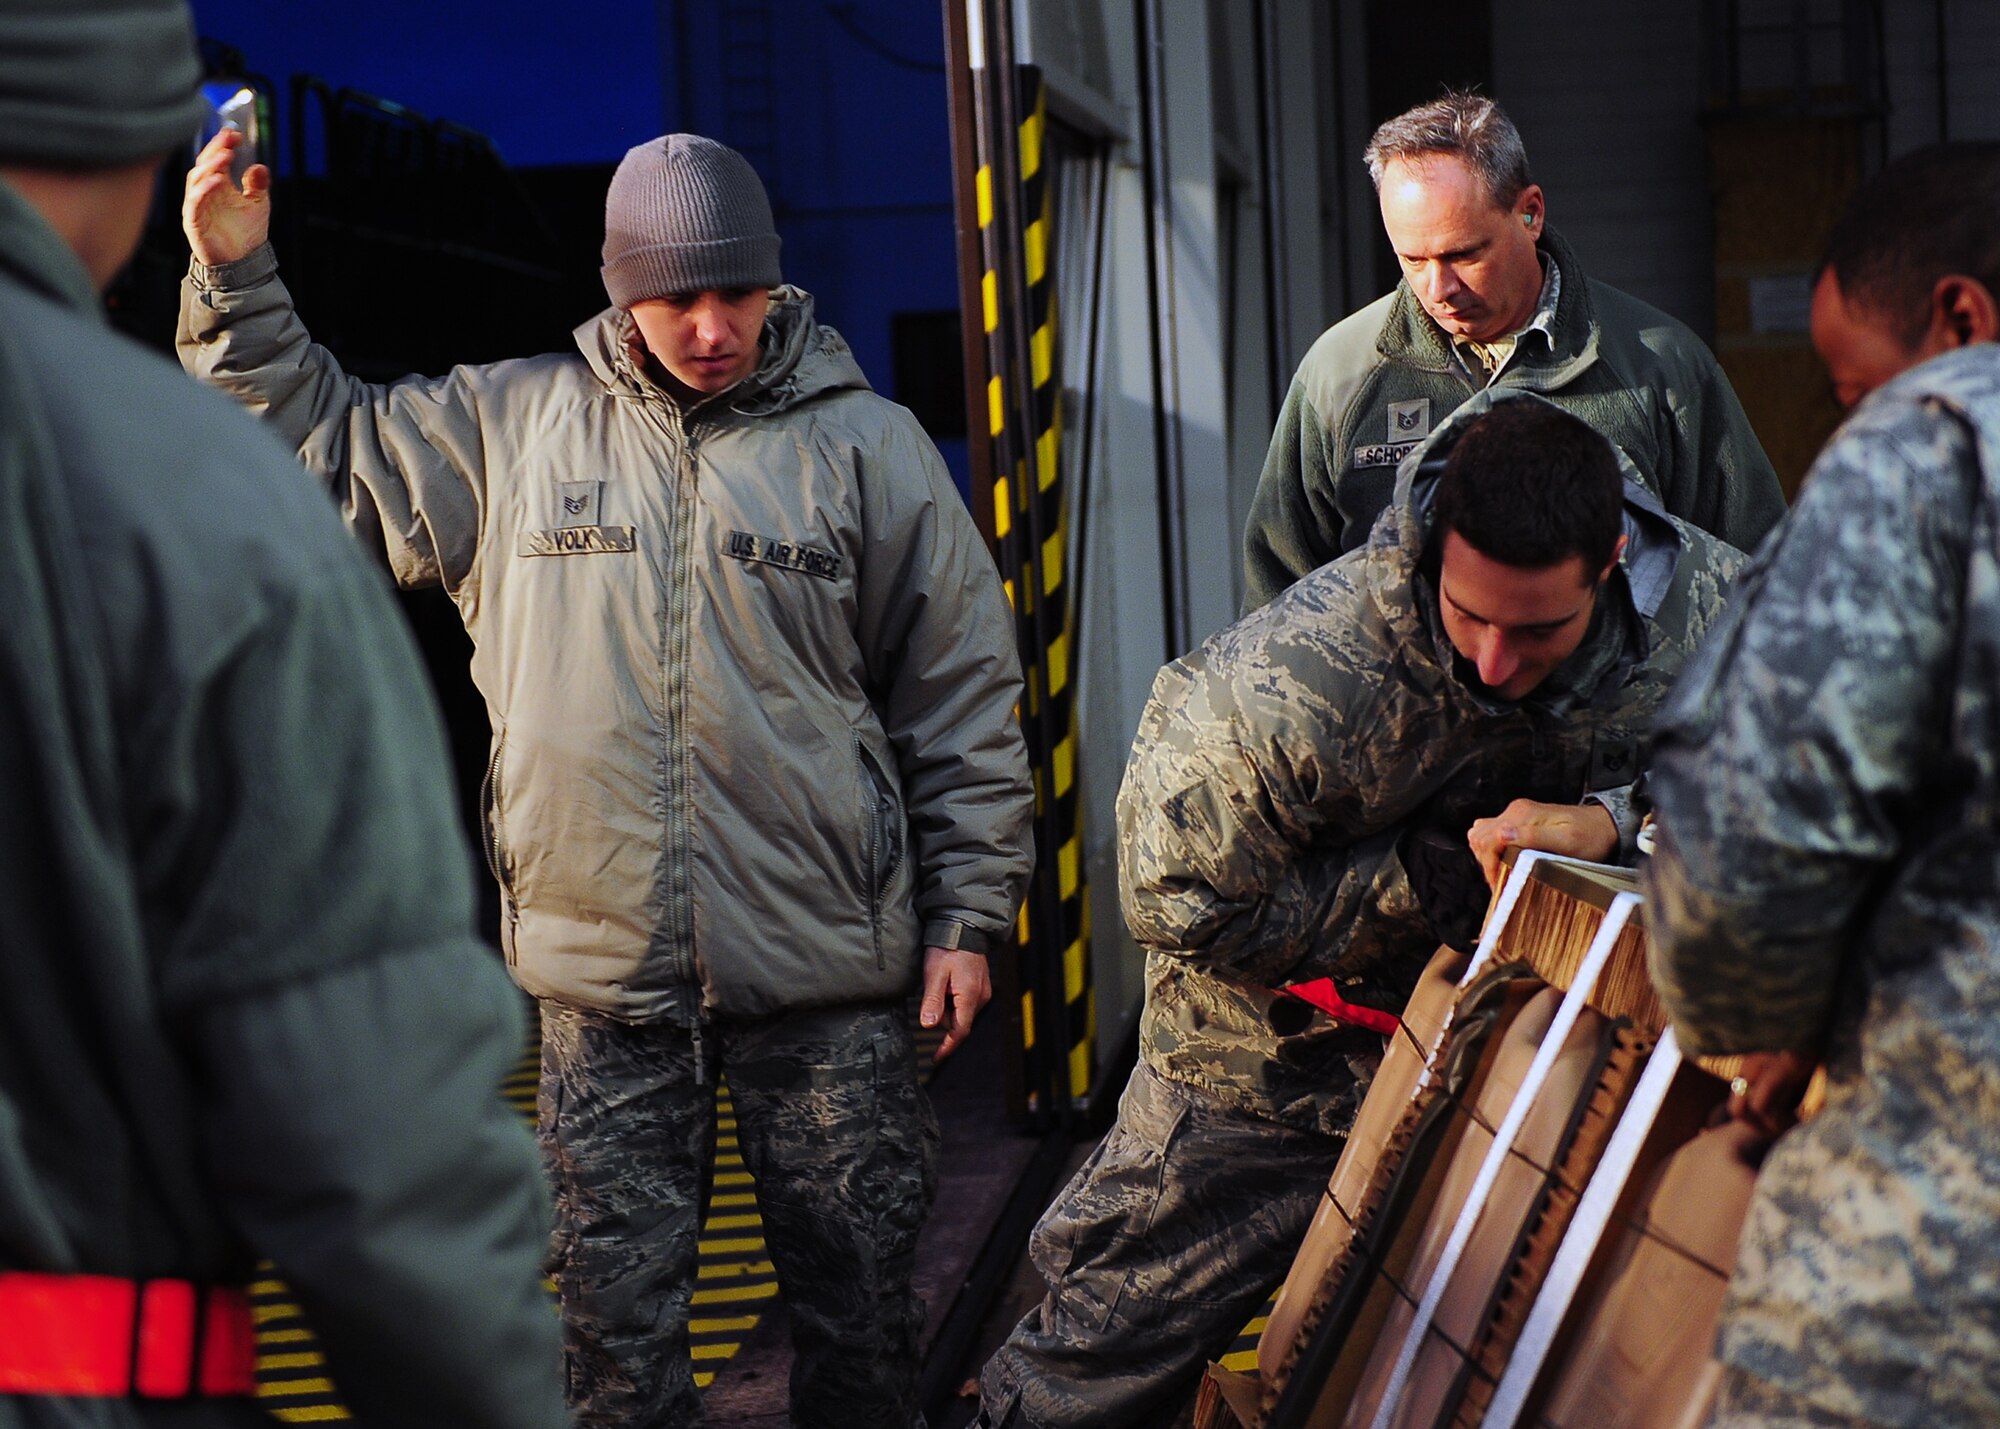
(1288, 774)
(1375, 384)
(1828, 785)
(749, 668)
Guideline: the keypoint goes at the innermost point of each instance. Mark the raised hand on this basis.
(223, 222)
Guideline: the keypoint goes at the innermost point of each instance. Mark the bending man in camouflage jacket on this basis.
(1828, 874)
(1297, 805)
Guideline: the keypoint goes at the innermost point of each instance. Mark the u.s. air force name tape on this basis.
(792, 555)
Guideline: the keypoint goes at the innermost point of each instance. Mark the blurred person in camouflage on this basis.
(755, 775)
(1299, 803)
(1827, 881)
(1491, 296)
(244, 1013)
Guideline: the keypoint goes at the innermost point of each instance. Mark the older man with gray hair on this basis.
(1491, 297)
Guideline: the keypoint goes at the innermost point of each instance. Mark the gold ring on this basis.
(1739, 1086)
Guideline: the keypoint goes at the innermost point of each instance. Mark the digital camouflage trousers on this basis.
(1746, 1402)
(841, 1142)
(1168, 1240)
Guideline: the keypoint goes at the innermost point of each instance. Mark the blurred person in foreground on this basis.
(1827, 881)
(243, 1012)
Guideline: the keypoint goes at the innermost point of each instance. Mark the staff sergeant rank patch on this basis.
(792, 555)
(577, 541)
(1409, 423)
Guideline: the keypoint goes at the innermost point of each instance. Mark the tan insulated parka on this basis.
(749, 667)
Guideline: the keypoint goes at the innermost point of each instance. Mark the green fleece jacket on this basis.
(1378, 382)
(243, 1013)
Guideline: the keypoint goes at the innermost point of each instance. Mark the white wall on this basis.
(1219, 412)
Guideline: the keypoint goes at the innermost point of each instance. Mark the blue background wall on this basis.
(552, 84)
(842, 106)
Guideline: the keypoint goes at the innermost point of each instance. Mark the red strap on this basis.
(1319, 993)
(100, 1335)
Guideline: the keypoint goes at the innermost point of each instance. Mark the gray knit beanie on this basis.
(95, 84)
(685, 214)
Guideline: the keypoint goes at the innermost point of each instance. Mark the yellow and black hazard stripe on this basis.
(1030, 529)
(1242, 1351)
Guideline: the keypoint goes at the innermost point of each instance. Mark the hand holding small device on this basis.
(232, 106)
(226, 209)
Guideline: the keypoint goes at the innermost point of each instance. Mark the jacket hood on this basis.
(802, 360)
(1403, 591)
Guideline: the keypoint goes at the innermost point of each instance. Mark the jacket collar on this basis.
(35, 256)
(801, 359)
(1410, 337)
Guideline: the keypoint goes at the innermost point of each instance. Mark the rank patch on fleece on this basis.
(1410, 421)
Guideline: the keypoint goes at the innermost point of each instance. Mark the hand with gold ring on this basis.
(1766, 1091)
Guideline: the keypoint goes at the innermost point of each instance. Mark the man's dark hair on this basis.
(1529, 485)
(1460, 125)
(1933, 211)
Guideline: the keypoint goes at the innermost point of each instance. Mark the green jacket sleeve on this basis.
(308, 892)
(1728, 487)
(937, 634)
(405, 462)
(357, 1137)
(1789, 751)
(1293, 526)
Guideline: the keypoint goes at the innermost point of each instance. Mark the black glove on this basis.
(1451, 891)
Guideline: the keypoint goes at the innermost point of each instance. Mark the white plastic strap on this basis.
(1572, 1007)
(1586, 1230)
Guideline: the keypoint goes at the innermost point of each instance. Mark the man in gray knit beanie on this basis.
(693, 255)
(756, 775)
(691, 252)
(686, 213)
